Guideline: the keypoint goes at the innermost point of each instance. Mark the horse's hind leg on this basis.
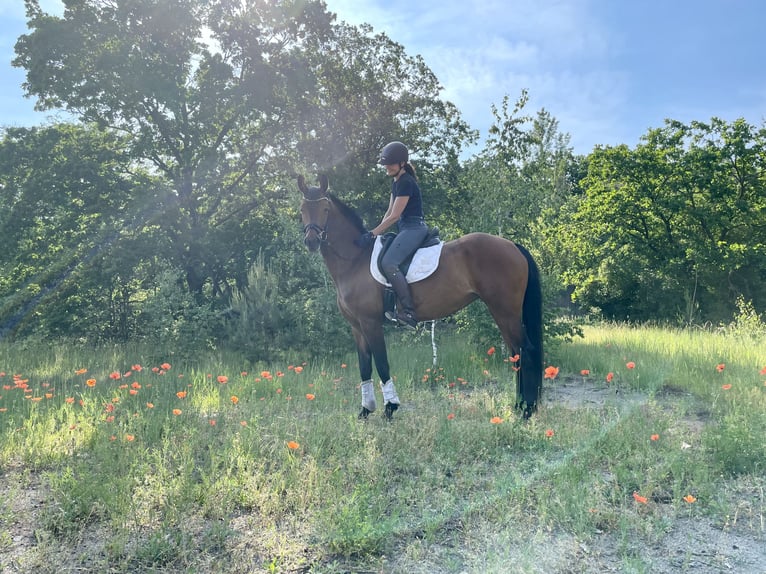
(511, 328)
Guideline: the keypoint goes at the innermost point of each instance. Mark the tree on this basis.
(224, 99)
(674, 228)
(68, 199)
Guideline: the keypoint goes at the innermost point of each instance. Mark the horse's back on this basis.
(484, 248)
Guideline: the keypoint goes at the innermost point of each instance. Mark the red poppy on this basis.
(630, 365)
(639, 498)
(491, 351)
(551, 372)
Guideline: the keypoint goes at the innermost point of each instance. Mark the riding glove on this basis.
(365, 240)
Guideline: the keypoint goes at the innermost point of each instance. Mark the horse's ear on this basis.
(302, 185)
(324, 183)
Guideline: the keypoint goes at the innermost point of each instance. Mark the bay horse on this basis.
(501, 273)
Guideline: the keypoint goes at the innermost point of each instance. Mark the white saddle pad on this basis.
(424, 263)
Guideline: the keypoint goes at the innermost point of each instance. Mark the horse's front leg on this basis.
(371, 344)
(364, 353)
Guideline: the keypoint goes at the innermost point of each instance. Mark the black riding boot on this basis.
(406, 315)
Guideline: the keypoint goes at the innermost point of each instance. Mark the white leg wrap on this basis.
(389, 393)
(368, 396)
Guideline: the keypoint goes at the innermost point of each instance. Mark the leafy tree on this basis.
(220, 102)
(68, 196)
(673, 228)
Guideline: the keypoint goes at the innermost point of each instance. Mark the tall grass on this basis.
(219, 465)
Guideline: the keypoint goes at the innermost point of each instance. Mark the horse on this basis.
(503, 274)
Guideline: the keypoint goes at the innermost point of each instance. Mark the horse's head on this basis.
(315, 209)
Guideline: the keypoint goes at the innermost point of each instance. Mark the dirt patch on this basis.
(581, 392)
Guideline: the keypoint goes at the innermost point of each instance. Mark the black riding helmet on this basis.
(394, 153)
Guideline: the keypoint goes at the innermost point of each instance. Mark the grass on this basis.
(218, 465)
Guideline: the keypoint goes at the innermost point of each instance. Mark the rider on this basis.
(405, 207)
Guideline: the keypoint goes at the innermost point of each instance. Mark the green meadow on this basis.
(646, 455)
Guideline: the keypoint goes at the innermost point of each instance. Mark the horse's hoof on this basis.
(527, 410)
(364, 413)
(390, 409)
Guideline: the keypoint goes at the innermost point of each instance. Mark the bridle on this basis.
(320, 231)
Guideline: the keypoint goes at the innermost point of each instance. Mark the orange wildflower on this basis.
(137, 368)
(515, 358)
(133, 392)
(298, 369)
(609, 377)
(551, 372)
(181, 394)
(130, 437)
(69, 400)
(720, 367)
(223, 379)
(292, 445)
(549, 433)
(639, 498)
(310, 397)
(690, 499)
(496, 420)
(655, 437)
(165, 366)
(585, 372)
(762, 371)
(91, 382)
(491, 351)
(343, 365)
(114, 375)
(726, 387)
(177, 411)
(630, 365)
(450, 416)
(234, 399)
(135, 385)
(80, 371)
(212, 422)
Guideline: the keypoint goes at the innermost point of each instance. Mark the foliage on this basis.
(673, 228)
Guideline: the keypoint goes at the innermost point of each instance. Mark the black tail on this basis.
(530, 379)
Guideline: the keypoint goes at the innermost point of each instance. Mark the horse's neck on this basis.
(339, 252)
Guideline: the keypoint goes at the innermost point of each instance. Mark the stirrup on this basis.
(391, 315)
(407, 320)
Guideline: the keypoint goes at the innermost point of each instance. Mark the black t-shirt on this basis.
(407, 186)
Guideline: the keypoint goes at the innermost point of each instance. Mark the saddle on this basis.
(426, 256)
(431, 239)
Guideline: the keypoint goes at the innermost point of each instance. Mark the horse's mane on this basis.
(348, 212)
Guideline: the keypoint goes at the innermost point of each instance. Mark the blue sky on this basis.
(607, 70)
